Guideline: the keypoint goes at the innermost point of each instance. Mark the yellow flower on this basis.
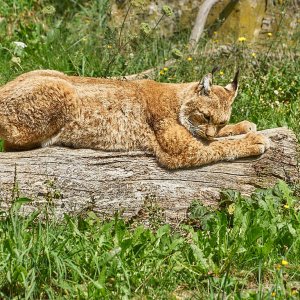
(189, 58)
(215, 33)
(221, 73)
(286, 206)
(109, 46)
(278, 267)
(161, 72)
(231, 207)
(166, 69)
(253, 54)
(294, 291)
(242, 39)
(270, 34)
(284, 262)
(273, 294)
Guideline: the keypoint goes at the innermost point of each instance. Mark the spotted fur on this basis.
(177, 122)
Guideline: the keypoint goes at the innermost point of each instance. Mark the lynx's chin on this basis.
(199, 133)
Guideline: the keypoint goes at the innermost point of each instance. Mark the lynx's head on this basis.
(206, 108)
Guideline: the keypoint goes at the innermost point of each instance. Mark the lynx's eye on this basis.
(222, 124)
(206, 118)
(196, 119)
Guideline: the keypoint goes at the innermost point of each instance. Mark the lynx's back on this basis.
(40, 106)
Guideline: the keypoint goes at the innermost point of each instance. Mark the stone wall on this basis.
(229, 19)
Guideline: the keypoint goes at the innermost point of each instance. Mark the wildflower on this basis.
(109, 46)
(161, 72)
(49, 10)
(138, 3)
(216, 41)
(253, 54)
(273, 294)
(20, 44)
(146, 29)
(270, 34)
(167, 10)
(278, 267)
(294, 291)
(16, 60)
(221, 73)
(176, 53)
(189, 58)
(284, 262)
(166, 69)
(242, 39)
(286, 206)
(215, 32)
(115, 251)
(276, 92)
(231, 209)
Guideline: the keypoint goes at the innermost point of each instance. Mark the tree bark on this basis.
(77, 180)
(200, 21)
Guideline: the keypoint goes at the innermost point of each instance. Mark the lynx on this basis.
(178, 123)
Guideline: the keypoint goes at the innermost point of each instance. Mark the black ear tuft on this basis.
(215, 69)
(235, 80)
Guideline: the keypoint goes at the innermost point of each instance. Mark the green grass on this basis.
(235, 251)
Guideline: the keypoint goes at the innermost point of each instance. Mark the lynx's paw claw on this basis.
(246, 126)
(262, 142)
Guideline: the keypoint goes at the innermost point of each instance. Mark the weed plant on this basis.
(248, 249)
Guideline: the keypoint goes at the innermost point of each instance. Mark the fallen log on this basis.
(77, 180)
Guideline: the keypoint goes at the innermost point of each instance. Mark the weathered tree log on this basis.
(79, 180)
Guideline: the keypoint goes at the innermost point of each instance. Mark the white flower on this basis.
(276, 92)
(20, 44)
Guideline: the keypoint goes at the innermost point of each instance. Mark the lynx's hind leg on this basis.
(33, 118)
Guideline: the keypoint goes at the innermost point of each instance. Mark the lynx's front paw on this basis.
(258, 143)
(237, 129)
(245, 127)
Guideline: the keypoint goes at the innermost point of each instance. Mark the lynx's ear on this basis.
(206, 82)
(233, 86)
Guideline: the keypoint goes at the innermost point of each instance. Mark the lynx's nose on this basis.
(210, 132)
